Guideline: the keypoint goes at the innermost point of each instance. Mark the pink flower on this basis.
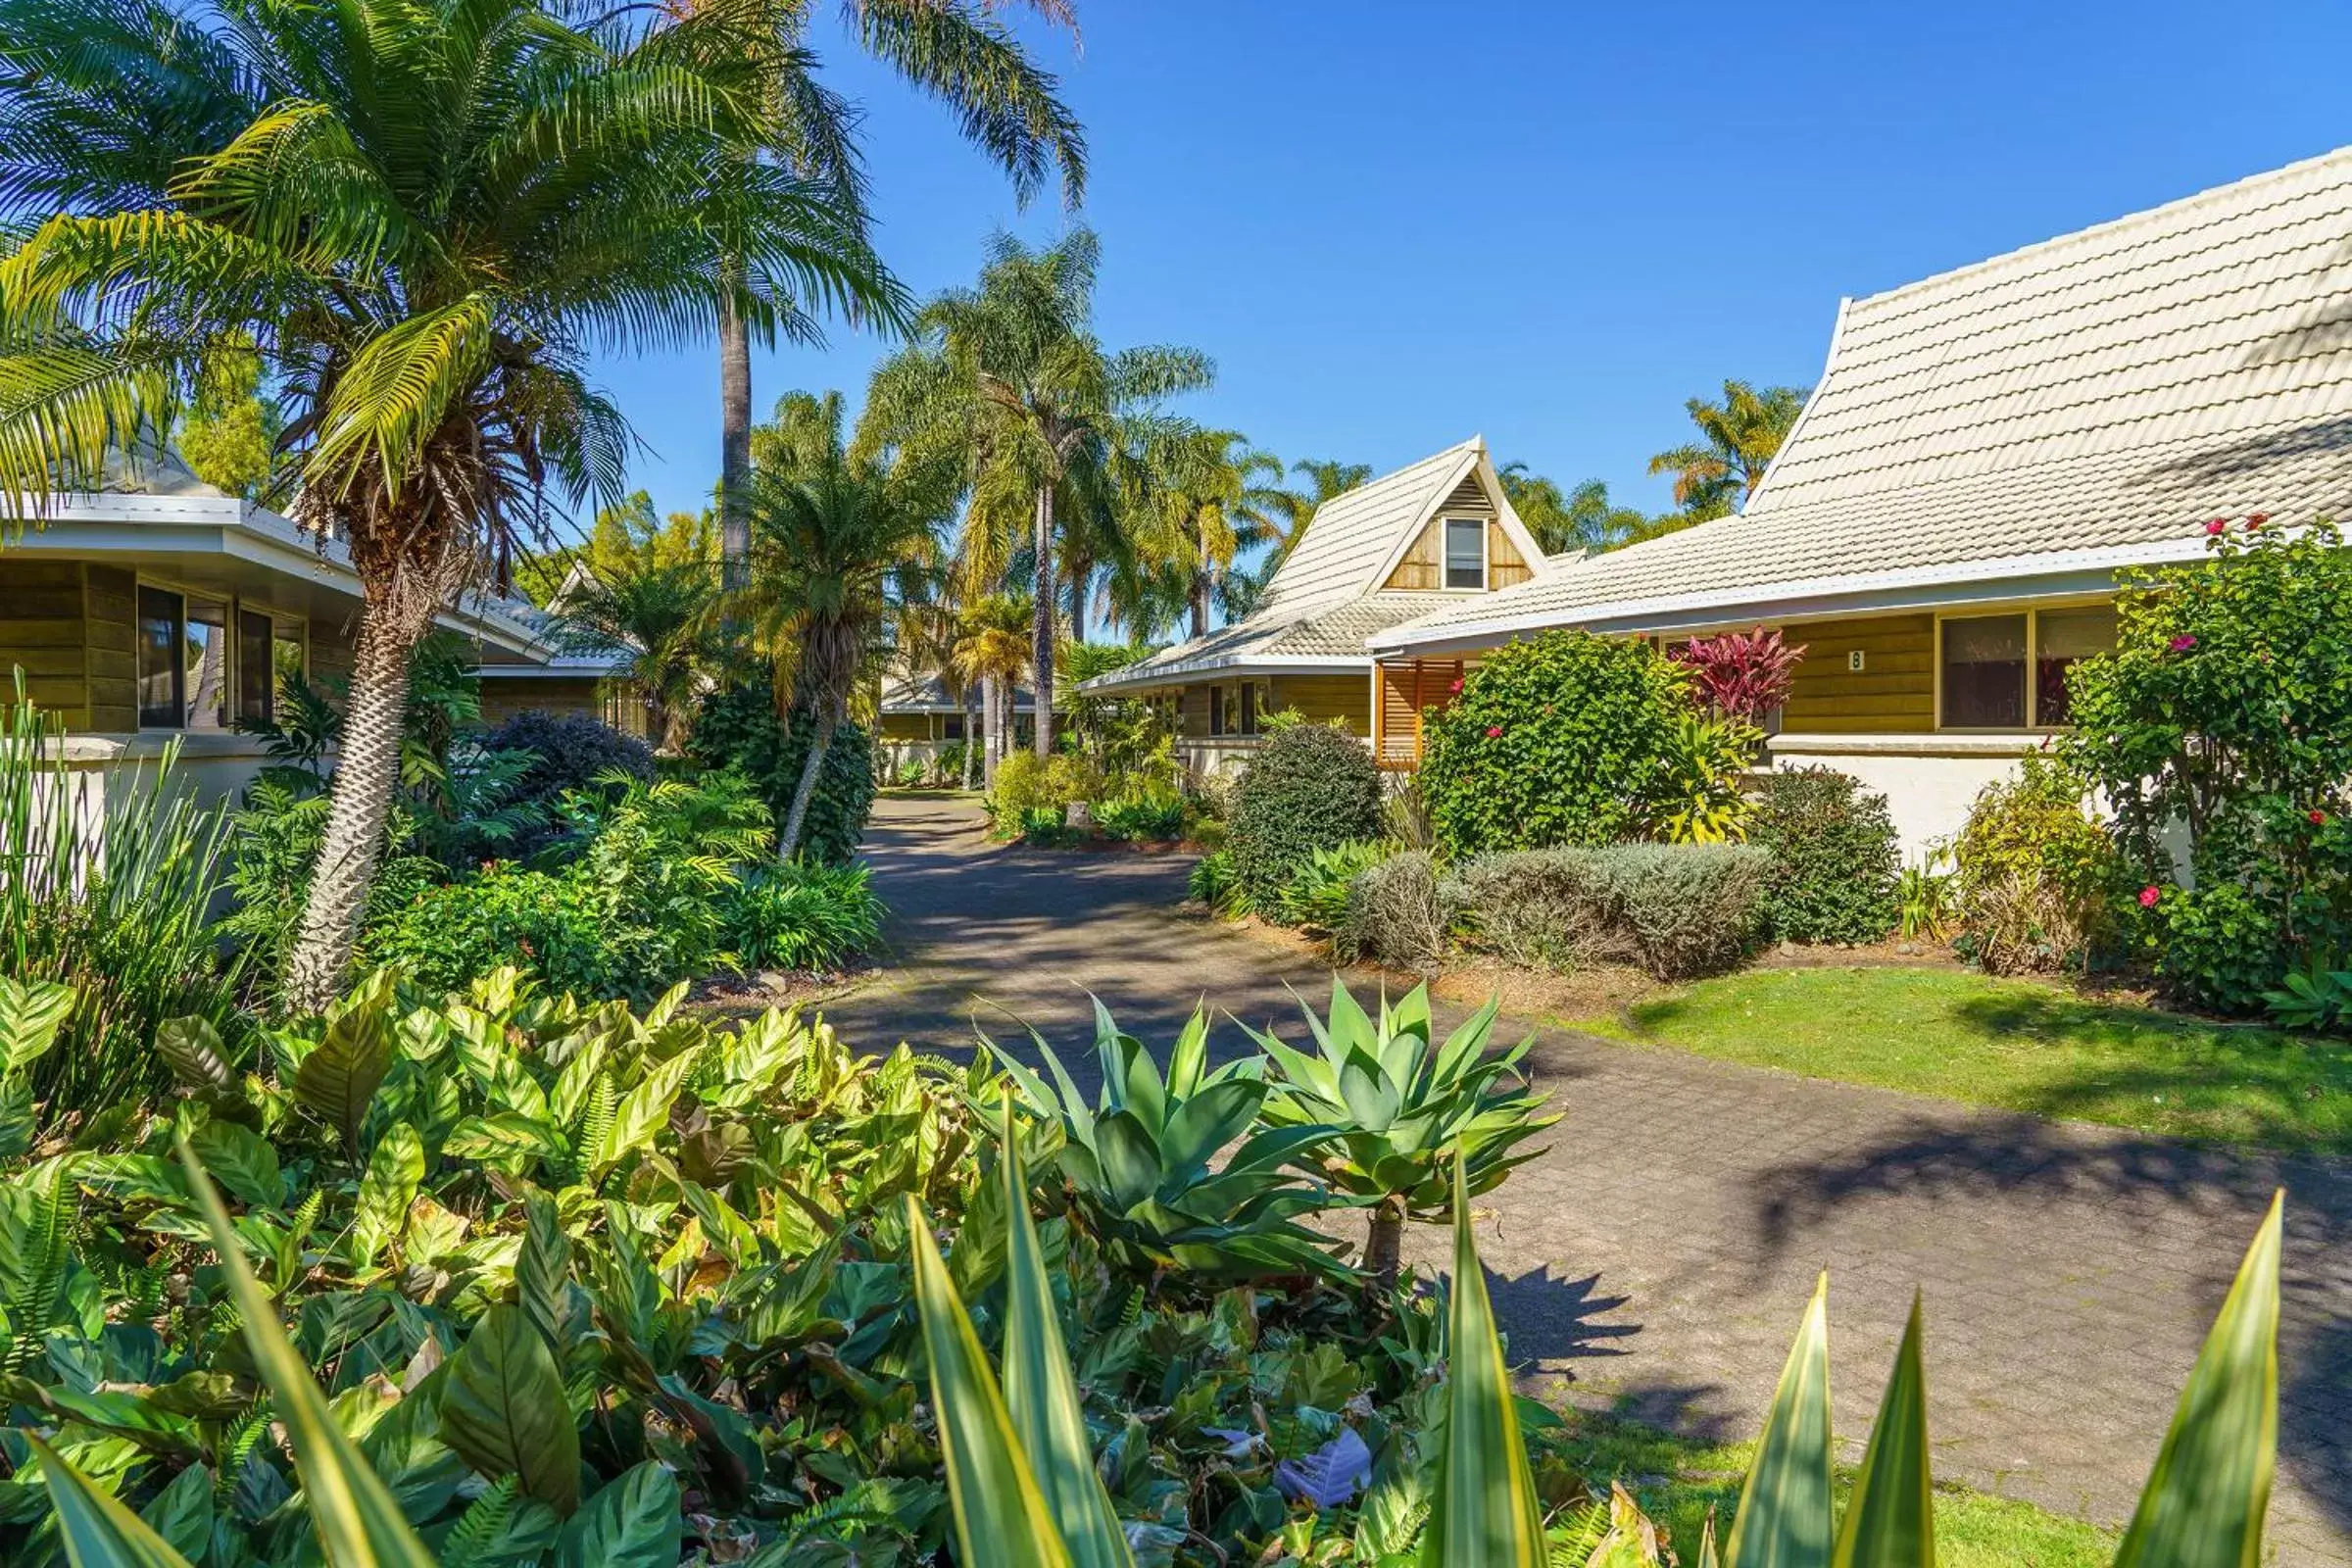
(1456, 687)
(2148, 898)
(2184, 642)
(2254, 524)
(1493, 732)
(2216, 526)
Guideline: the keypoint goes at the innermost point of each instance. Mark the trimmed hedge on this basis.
(1310, 788)
(1835, 873)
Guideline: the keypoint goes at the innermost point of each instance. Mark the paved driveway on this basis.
(1662, 1250)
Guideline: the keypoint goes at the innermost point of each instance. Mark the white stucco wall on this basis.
(1929, 781)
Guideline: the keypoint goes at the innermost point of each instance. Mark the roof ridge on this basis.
(2146, 215)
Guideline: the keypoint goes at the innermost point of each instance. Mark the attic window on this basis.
(1465, 553)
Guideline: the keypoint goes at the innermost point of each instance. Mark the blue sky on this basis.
(1393, 225)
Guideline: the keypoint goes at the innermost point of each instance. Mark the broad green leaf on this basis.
(17, 1126)
(241, 1160)
(1188, 1058)
(503, 1409)
(1206, 1123)
(642, 1110)
(394, 1168)
(1487, 1512)
(31, 1012)
(191, 1049)
(182, 1512)
(1041, 1395)
(35, 1245)
(336, 1081)
(543, 1271)
(1001, 1516)
(2204, 1503)
(1891, 1519)
(1130, 1157)
(1783, 1518)
(98, 1531)
(635, 1522)
(356, 1520)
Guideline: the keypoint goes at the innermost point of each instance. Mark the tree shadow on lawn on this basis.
(2162, 1188)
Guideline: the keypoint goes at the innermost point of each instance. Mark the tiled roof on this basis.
(1333, 630)
(928, 694)
(1353, 535)
(2087, 401)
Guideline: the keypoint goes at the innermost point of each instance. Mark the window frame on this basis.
(2031, 705)
(282, 627)
(1485, 564)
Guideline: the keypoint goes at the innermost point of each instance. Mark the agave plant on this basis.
(1405, 1112)
(1139, 1159)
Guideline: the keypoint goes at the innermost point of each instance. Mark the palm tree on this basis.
(956, 52)
(994, 648)
(1293, 508)
(421, 217)
(1011, 374)
(838, 549)
(1214, 497)
(1585, 518)
(658, 619)
(1717, 474)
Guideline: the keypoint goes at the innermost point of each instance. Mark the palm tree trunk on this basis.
(1384, 1245)
(1199, 602)
(367, 765)
(1082, 580)
(1042, 653)
(972, 733)
(824, 717)
(734, 446)
(988, 732)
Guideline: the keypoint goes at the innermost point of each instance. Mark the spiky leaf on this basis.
(1890, 1520)
(98, 1531)
(1784, 1519)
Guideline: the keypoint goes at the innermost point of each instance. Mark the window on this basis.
(287, 660)
(1216, 711)
(954, 728)
(161, 674)
(1249, 708)
(1465, 553)
(1986, 660)
(255, 689)
(2061, 639)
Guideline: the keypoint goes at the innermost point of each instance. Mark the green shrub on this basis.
(2224, 716)
(1836, 871)
(736, 728)
(802, 915)
(552, 926)
(1310, 787)
(1400, 913)
(1144, 820)
(569, 751)
(1674, 909)
(1034, 793)
(1562, 739)
(2036, 878)
(1213, 882)
(1316, 896)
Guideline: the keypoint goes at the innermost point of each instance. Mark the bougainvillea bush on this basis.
(1564, 739)
(2219, 733)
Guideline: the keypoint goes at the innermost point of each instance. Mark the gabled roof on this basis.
(929, 694)
(1325, 597)
(2078, 405)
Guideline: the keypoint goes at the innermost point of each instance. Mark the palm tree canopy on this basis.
(1738, 439)
(993, 638)
(1583, 519)
(423, 216)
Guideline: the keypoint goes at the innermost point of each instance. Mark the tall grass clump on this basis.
(107, 885)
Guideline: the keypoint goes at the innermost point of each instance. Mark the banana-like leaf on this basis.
(182, 1512)
(642, 1112)
(503, 1409)
(241, 1160)
(191, 1049)
(634, 1522)
(98, 1531)
(1890, 1520)
(1001, 1516)
(341, 1075)
(1487, 1512)
(543, 1271)
(1784, 1511)
(1041, 1395)
(2204, 1503)
(31, 1012)
(17, 1125)
(394, 1168)
(356, 1520)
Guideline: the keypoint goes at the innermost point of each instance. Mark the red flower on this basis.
(2184, 642)
(2148, 898)
(2216, 526)
(2319, 818)
(2255, 522)
(1456, 687)
(1494, 731)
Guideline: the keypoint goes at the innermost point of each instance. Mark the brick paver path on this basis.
(1662, 1250)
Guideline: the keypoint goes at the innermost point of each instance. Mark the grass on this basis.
(2015, 1045)
(1678, 1480)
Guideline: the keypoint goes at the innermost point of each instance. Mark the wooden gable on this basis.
(1423, 565)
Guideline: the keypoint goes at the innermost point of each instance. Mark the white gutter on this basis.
(1226, 665)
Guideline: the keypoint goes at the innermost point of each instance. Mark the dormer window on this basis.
(1466, 553)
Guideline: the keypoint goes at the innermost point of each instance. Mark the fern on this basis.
(35, 1247)
(482, 1525)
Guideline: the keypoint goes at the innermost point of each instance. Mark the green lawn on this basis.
(2017, 1045)
(1677, 1481)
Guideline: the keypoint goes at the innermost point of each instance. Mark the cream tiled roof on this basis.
(2090, 401)
(1325, 597)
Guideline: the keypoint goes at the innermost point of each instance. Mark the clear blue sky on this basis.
(1393, 225)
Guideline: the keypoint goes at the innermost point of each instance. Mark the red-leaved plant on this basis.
(1740, 674)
